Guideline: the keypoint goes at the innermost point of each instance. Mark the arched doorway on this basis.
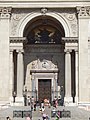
(44, 57)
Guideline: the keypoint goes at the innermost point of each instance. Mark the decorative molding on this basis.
(17, 17)
(15, 21)
(67, 51)
(44, 11)
(44, 3)
(74, 29)
(70, 39)
(76, 51)
(83, 11)
(5, 12)
(18, 40)
(44, 71)
(44, 48)
(70, 16)
(20, 51)
(43, 64)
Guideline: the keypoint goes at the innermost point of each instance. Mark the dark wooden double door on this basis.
(44, 89)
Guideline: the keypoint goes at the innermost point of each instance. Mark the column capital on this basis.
(67, 50)
(76, 51)
(5, 12)
(11, 50)
(83, 11)
(20, 51)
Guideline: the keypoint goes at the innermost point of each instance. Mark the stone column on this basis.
(55, 84)
(76, 76)
(33, 84)
(83, 22)
(20, 76)
(4, 53)
(68, 97)
(11, 82)
(20, 73)
(52, 88)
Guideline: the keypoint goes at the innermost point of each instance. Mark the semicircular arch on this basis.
(26, 19)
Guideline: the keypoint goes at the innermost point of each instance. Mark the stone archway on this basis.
(30, 16)
(44, 29)
(44, 50)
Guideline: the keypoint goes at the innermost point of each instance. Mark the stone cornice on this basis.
(70, 39)
(67, 50)
(5, 10)
(64, 39)
(45, 46)
(44, 71)
(18, 40)
(44, 3)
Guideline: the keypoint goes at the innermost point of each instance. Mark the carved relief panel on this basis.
(69, 15)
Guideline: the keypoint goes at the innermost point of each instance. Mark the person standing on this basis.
(47, 117)
(8, 118)
(28, 101)
(32, 103)
(44, 116)
(28, 118)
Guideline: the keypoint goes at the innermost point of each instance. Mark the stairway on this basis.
(76, 113)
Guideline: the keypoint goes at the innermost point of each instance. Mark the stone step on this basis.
(76, 113)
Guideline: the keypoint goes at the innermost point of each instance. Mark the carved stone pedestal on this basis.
(68, 101)
(19, 101)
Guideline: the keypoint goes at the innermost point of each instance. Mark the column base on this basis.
(68, 101)
(19, 101)
(76, 100)
(11, 100)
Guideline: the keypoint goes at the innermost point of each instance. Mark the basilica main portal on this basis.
(44, 57)
(48, 59)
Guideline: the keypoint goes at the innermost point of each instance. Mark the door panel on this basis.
(44, 89)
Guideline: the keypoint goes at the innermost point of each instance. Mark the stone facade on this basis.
(66, 64)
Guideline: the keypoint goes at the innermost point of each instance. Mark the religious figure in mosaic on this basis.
(44, 35)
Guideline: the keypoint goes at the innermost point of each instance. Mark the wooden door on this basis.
(44, 89)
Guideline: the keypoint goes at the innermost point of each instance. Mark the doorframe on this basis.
(45, 74)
